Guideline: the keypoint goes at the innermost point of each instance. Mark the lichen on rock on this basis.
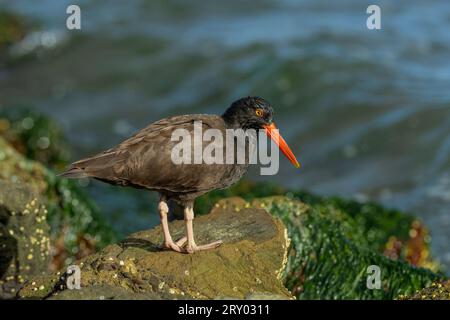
(439, 290)
(24, 237)
(74, 219)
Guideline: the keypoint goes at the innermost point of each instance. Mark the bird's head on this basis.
(257, 113)
(249, 113)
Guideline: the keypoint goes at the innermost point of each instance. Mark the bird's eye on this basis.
(259, 112)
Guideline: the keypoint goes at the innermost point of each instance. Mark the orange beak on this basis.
(273, 133)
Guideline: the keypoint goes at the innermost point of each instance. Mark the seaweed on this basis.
(329, 258)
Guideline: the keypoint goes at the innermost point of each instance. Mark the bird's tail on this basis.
(98, 166)
(74, 173)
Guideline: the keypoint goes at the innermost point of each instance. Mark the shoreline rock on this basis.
(249, 264)
(436, 291)
(24, 237)
(77, 228)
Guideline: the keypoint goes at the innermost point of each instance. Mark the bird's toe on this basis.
(194, 248)
(181, 242)
(172, 246)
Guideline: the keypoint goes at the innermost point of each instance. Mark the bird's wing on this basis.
(145, 159)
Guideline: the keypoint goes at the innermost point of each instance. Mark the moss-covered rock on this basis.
(334, 241)
(331, 254)
(249, 263)
(77, 228)
(24, 237)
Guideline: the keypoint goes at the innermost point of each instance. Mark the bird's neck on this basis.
(232, 121)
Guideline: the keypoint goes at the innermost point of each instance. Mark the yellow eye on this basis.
(259, 112)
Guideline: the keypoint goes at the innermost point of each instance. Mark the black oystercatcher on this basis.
(144, 161)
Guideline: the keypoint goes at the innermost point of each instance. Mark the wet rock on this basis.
(24, 237)
(249, 264)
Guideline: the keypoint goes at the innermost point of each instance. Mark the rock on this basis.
(436, 291)
(328, 259)
(14, 168)
(108, 292)
(249, 263)
(24, 237)
(397, 235)
(77, 227)
(335, 240)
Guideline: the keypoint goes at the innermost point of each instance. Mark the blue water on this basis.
(367, 112)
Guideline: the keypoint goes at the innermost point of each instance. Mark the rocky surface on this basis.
(14, 168)
(249, 264)
(24, 237)
(327, 259)
(335, 240)
(396, 234)
(436, 291)
(76, 225)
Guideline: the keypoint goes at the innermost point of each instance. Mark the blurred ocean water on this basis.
(367, 112)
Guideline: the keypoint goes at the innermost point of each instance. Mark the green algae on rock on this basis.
(248, 264)
(330, 255)
(73, 218)
(24, 237)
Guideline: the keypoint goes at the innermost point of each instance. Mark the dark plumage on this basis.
(144, 161)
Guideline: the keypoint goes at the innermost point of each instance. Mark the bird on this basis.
(144, 161)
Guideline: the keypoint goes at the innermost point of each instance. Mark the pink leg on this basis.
(163, 211)
(191, 246)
